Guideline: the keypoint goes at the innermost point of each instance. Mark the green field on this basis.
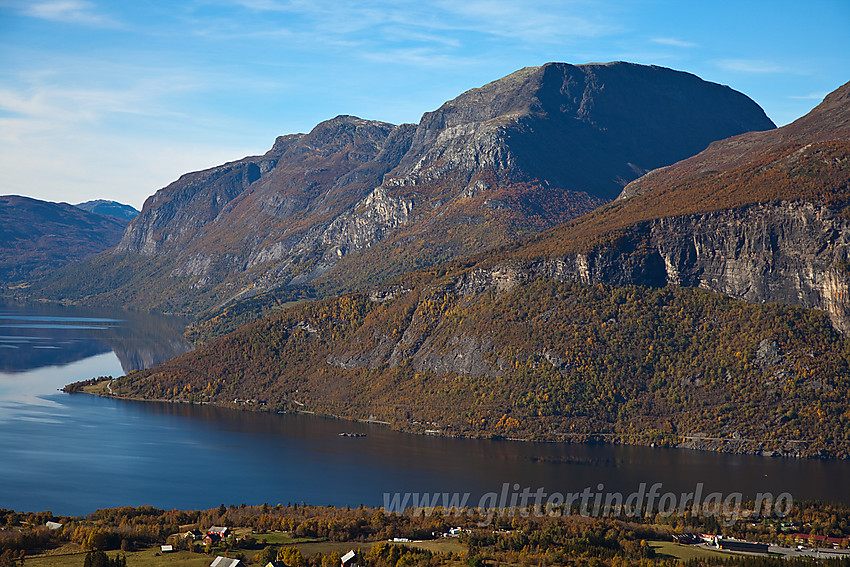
(275, 538)
(307, 546)
(310, 547)
(447, 545)
(443, 545)
(69, 556)
(145, 558)
(683, 552)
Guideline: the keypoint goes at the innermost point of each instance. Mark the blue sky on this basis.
(115, 99)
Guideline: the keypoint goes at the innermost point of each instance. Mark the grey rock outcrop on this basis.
(789, 252)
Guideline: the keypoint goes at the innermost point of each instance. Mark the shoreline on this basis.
(739, 446)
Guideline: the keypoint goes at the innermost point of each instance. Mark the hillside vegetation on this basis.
(817, 174)
(316, 536)
(578, 333)
(545, 360)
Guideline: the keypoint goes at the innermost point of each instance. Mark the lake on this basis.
(73, 454)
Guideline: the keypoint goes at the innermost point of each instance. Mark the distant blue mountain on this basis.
(109, 209)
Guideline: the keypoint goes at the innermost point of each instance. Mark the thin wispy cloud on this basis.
(674, 42)
(810, 96)
(50, 105)
(233, 73)
(69, 12)
(420, 57)
(407, 35)
(87, 89)
(441, 20)
(519, 20)
(103, 135)
(756, 66)
(92, 164)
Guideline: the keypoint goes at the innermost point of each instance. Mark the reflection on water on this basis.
(37, 336)
(183, 456)
(26, 346)
(44, 347)
(478, 466)
(21, 390)
(73, 454)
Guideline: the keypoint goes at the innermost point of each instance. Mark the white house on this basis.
(226, 562)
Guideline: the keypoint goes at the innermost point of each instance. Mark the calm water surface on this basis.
(73, 454)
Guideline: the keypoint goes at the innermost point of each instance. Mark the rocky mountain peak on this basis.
(618, 120)
(346, 133)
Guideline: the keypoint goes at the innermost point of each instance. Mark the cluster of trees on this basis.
(23, 532)
(126, 528)
(324, 523)
(563, 540)
(515, 537)
(79, 386)
(389, 555)
(101, 559)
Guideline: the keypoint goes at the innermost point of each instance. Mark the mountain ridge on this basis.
(828, 121)
(38, 237)
(109, 209)
(547, 144)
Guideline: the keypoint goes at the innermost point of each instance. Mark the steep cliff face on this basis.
(355, 202)
(761, 217)
(320, 174)
(501, 351)
(166, 221)
(789, 252)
